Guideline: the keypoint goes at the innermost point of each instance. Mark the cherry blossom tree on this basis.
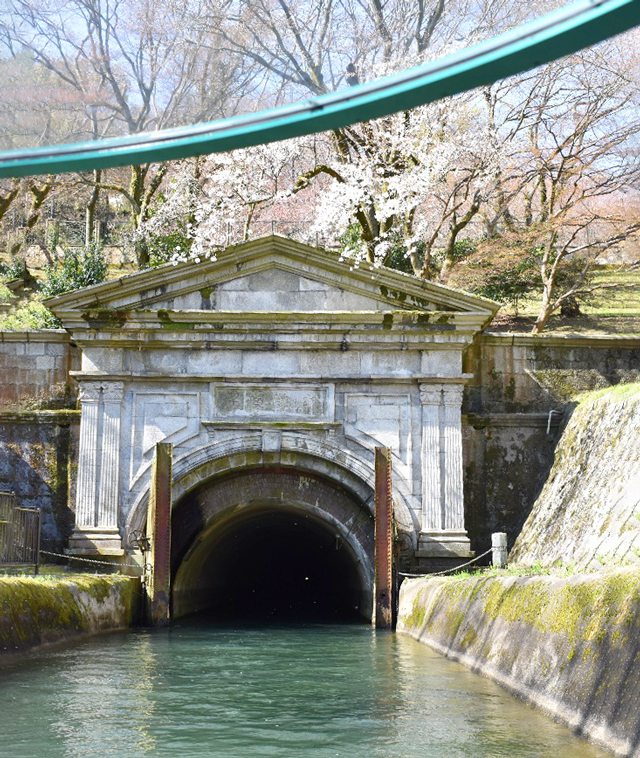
(131, 67)
(570, 130)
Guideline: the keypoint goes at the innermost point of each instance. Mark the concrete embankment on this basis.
(570, 646)
(37, 611)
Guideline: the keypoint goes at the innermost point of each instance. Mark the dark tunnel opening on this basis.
(273, 566)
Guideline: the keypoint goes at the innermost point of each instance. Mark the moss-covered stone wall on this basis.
(507, 459)
(521, 373)
(36, 611)
(588, 513)
(568, 645)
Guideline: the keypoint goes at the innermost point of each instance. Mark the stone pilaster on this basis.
(96, 530)
(88, 455)
(454, 498)
(443, 533)
(431, 399)
(107, 516)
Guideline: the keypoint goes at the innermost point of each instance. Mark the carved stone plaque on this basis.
(269, 402)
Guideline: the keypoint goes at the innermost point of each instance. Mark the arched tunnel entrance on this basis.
(273, 545)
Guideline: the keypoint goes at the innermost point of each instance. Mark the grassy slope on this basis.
(612, 311)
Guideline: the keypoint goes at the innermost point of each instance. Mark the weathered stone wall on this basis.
(520, 373)
(38, 454)
(507, 460)
(34, 369)
(36, 611)
(588, 513)
(566, 645)
(38, 429)
(516, 380)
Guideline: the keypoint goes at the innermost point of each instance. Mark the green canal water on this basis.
(197, 691)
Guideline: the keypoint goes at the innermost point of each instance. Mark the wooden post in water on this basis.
(159, 535)
(383, 612)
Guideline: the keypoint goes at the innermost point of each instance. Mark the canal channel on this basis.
(306, 691)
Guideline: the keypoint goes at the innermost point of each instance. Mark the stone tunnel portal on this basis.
(273, 545)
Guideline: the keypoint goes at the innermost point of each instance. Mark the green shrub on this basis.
(79, 268)
(32, 315)
(6, 296)
(14, 269)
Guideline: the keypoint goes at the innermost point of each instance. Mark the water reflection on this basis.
(105, 700)
(310, 692)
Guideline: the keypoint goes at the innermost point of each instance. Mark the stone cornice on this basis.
(253, 379)
(247, 426)
(117, 320)
(628, 342)
(282, 330)
(36, 335)
(514, 420)
(265, 342)
(56, 418)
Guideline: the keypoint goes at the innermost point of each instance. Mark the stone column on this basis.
(88, 455)
(454, 497)
(431, 398)
(108, 488)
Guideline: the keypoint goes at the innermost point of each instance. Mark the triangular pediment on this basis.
(271, 275)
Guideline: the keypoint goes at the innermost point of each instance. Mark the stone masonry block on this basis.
(55, 348)
(29, 390)
(274, 280)
(35, 348)
(310, 284)
(214, 362)
(8, 394)
(336, 363)
(441, 362)
(271, 363)
(10, 375)
(394, 363)
(44, 362)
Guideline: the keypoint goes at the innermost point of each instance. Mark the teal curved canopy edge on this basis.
(552, 36)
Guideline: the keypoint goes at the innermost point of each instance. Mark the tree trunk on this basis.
(38, 196)
(543, 314)
(6, 200)
(90, 209)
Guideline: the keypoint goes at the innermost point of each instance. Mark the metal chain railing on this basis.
(91, 560)
(451, 570)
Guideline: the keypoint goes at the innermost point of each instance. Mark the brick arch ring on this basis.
(298, 451)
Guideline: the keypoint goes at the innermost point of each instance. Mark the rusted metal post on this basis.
(158, 584)
(383, 541)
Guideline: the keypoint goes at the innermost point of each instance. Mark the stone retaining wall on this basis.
(569, 646)
(38, 454)
(588, 513)
(34, 369)
(35, 611)
(521, 373)
(509, 444)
